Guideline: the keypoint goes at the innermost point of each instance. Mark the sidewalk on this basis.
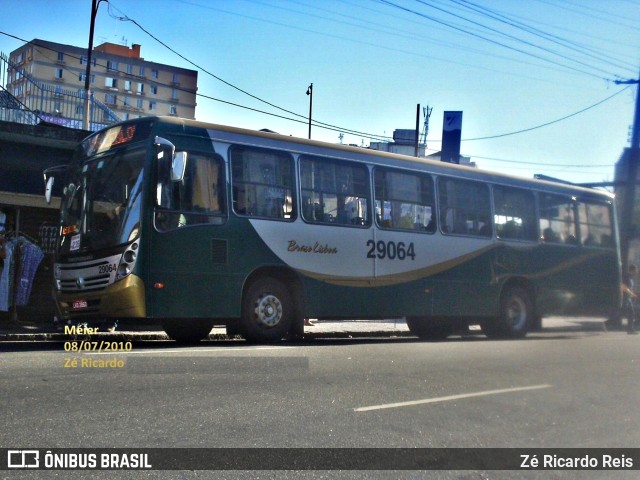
(25, 331)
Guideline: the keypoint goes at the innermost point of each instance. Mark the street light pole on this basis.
(310, 93)
(87, 80)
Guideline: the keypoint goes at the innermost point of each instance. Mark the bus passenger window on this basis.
(558, 219)
(262, 183)
(464, 207)
(334, 192)
(515, 214)
(404, 200)
(595, 224)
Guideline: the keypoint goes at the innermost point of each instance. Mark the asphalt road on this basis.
(555, 389)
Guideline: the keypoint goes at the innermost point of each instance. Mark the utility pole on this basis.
(417, 144)
(87, 80)
(310, 93)
(629, 199)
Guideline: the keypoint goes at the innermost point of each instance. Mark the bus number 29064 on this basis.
(390, 250)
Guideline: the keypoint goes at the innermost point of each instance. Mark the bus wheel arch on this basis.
(516, 312)
(271, 305)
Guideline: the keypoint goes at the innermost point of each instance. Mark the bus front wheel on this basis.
(267, 311)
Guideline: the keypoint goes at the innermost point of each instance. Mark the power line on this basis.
(548, 123)
(486, 39)
(495, 15)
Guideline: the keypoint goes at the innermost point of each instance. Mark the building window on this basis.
(141, 71)
(154, 73)
(59, 73)
(152, 106)
(127, 85)
(140, 89)
(154, 89)
(112, 66)
(110, 82)
(127, 102)
(129, 69)
(60, 57)
(174, 94)
(176, 78)
(173, 110)
(139, 103)
(110, 98)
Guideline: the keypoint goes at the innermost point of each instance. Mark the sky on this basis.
(535, 79)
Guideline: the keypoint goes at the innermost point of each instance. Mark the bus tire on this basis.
(187, 332)
(267, 311)
(515, 317)
(420, 327)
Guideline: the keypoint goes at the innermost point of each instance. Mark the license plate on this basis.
(78, 304)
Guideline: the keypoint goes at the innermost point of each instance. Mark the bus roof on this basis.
(394, 158)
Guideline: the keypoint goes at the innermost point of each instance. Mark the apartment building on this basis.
(120, 78)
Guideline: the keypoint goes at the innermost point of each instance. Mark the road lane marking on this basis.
(449, 398)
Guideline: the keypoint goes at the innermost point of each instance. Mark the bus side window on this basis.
(404, 200)
(334, 192)
(464, 207)
(263, 183)
(595, 224)
(199, 199)
(515, 214)
(558, 219)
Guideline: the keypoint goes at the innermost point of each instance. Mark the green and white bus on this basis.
(192, 225)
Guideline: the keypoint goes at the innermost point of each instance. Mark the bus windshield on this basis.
(101, 202)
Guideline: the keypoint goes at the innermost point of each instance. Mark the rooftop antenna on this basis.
(426, 112)
(341, 137)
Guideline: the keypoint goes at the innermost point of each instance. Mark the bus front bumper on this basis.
(123, 299)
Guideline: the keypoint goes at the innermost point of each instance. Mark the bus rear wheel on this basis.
(267, 311)
(424, 330)
(515, 317)
(187, 331)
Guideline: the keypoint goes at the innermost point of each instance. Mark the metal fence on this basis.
(26, 100)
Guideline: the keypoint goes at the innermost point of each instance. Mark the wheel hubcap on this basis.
(268, 310)
(516, 312)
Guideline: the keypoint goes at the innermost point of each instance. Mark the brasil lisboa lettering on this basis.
(316, 248)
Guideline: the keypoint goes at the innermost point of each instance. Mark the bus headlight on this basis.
(128, 261)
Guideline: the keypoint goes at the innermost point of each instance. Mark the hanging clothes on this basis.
(6, 277)
(30, 257)
(24, 255)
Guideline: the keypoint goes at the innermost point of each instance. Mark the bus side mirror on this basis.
(48, 189)
(178, 166)
(49, 176)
